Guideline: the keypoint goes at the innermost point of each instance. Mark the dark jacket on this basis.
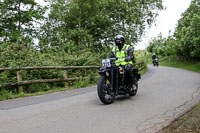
(154, 56)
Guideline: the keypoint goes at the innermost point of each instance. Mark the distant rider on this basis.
(154, 57)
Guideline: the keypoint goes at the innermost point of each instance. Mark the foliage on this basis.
(179, 63)
(186, 40)
(157, 45)
(188, 30)
(11, 55)
(19, 19)
(69, 33)
(94, 23)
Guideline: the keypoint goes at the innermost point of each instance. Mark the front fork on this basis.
(115, 78)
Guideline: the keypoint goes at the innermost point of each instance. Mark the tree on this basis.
(94, 23)
(158, 45)
(19, 19)
(186, 40)
(188, 30)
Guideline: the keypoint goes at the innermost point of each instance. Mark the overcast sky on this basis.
(166, 21)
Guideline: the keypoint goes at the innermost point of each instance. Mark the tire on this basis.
(105, 93)
(134, 92)
(154, 64)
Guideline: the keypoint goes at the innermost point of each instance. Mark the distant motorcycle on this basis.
(113, 81)
(155, 62)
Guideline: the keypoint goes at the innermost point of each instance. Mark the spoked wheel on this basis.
(133, 91)
(105, 92)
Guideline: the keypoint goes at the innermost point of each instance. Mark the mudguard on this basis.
(138, 77)
(103, 71)
(135, 71)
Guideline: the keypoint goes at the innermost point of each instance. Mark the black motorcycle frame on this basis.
(116, 80)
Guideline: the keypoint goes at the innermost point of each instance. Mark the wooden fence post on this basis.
(65, 77)
(19, 79)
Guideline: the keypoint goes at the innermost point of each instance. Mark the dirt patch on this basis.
(188, 123)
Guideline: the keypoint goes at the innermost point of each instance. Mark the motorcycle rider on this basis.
(154, 56)
(125, 57)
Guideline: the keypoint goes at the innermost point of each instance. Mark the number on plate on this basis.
(106, 63)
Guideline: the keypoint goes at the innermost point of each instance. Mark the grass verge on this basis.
(189, 65)
(7, 95)
(188, 123)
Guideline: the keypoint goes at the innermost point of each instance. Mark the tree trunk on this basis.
(79, 26)
(177, 58)
(19, 16)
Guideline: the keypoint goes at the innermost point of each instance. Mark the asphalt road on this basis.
(164, 94)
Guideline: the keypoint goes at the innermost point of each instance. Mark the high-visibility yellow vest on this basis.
(121, 55)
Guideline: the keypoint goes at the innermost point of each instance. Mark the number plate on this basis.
(106, 63)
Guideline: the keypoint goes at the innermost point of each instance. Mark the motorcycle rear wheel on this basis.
(105, 92)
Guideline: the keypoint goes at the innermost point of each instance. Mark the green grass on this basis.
(189, 65)
(6, 95)
(144, 70)
(188, 123)
(169, 61)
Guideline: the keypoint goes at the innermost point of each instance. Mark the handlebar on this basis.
(113, 59)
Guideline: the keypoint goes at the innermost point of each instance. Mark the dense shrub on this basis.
(19, 55)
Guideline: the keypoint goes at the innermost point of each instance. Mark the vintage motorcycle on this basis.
(113, 81)
(155, 62)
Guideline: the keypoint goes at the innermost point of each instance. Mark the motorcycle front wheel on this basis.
(134, 92)
(105, 92)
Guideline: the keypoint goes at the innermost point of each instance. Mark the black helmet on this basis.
(120, 37)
